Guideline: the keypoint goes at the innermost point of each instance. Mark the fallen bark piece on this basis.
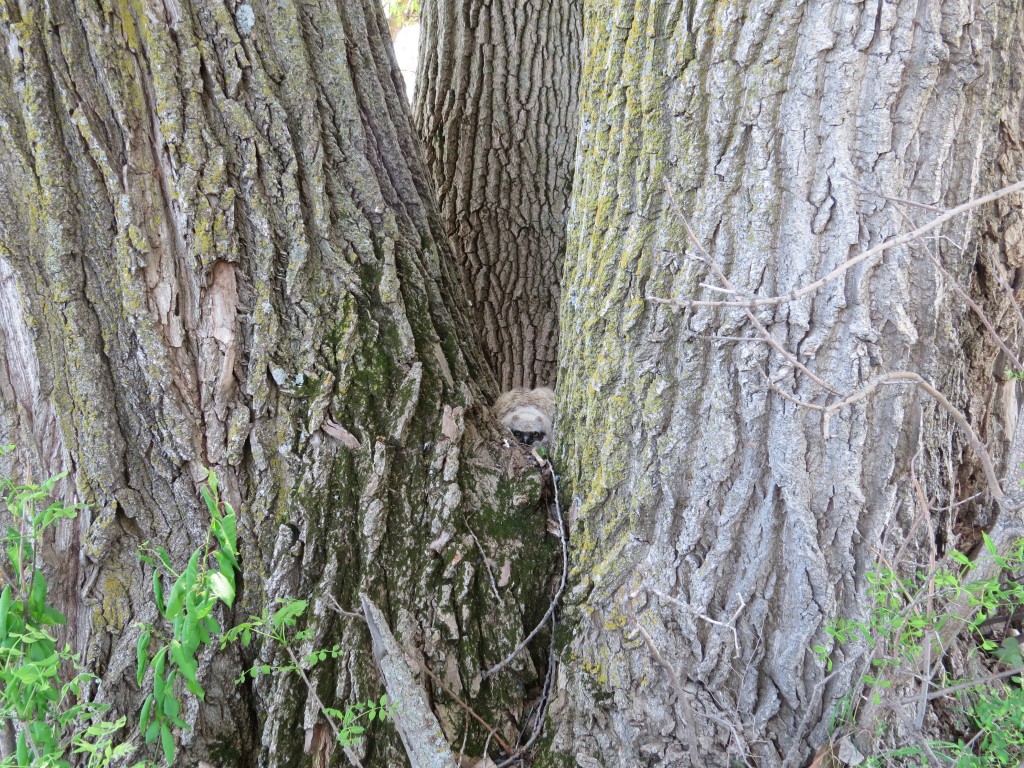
(418, 728)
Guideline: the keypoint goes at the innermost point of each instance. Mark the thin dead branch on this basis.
(493, 733)
(689, 719)
(954, 284)
(909, 377)
(750, 315)
(730, 624)
(799, 293)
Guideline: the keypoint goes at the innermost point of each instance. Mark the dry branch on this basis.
(799, 293)
(750, 315)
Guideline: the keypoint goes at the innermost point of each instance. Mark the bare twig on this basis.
(793, 752)
(915, 732)
(730, 624)
(465, 738)
(799, 293)
(891, 198)
(689, 720)
(926, 660)
(750, 315)
(953, 283)
(979, 312)
(688, 712)
(939, 693)
(415, 722)
(909, 377)
(487, 565)
(997, 272)
(960, 503)
(349, 753)
(333, 603)
(542, 707)
(465, 707)
(545, 698)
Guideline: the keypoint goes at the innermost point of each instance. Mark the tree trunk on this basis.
(786, 132)
(219, 248)
(496, 105)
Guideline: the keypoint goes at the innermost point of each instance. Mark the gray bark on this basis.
(779, 127)
(219, 248)
(496, 105)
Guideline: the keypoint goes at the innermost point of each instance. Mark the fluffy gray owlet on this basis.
(528, 413)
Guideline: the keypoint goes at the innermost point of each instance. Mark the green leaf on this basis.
(185, 663)
(144, 715)
(227, 564)
(192, 570)
(285, 616)
(220, 586)
(172, 706)
(211, 502)
(51, 616)
(142, 655)
(164, 558)
(5, 607)
(989, 544)
(230, 534)
(188, 636)
(212, 627)
(959, 557)
(167, 742)
(37, 597)
(22, 749)
(204, 634)
(152, 731)
(196, 688)
(176, 598)
(211, 480)
(158, 592)
(159, 664)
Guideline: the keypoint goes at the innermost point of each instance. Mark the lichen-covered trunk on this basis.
(496, 103)
(710, 492)
(219, 248)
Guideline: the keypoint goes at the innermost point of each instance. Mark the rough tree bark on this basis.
(778, 127)
(219, 248)
(496, 105)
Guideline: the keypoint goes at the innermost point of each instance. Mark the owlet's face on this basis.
(527, 413)
(528, 424)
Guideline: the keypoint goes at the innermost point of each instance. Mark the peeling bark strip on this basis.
(496, 105)
(218, 247)
(787, 131)
(421, 735)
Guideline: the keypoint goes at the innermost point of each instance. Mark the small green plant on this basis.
(905, 613)
(208, 578)
(43, 702)
(275, 626)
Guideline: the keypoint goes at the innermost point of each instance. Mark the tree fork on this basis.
(219, 248)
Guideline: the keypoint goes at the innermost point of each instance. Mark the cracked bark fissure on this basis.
(496, 105)
(219, 248)
(776, 125)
